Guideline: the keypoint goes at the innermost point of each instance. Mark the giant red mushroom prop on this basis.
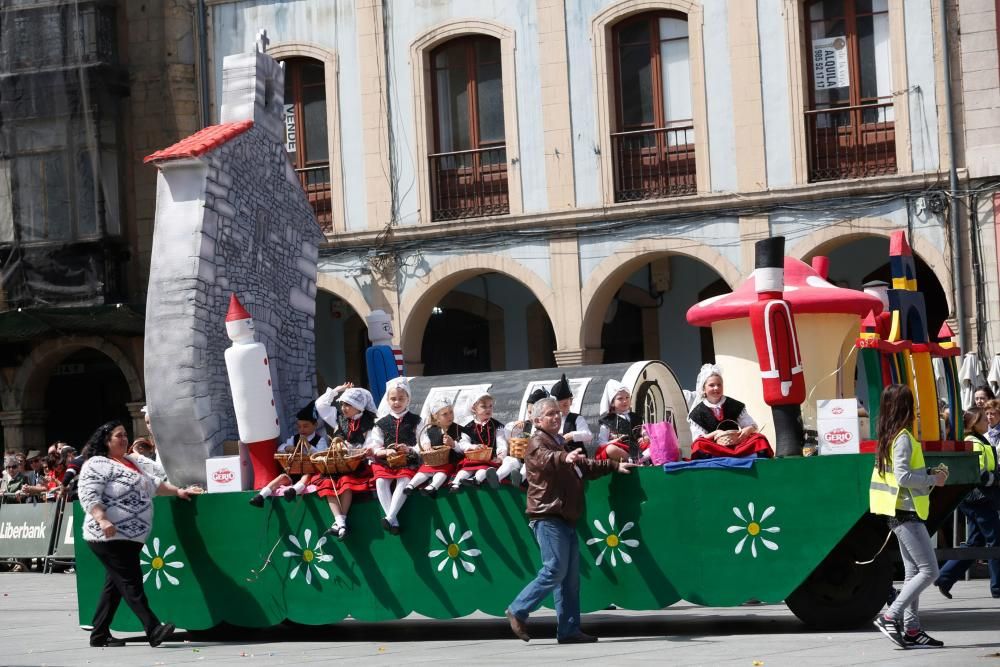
(826, 318)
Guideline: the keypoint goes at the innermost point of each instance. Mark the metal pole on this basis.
(953, 220)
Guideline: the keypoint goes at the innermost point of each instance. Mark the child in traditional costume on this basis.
(394, 435)
(620, 437)
(307, 422)
(483, 430)
(441, 431)
(574, 428)
(522, 428)
(720, 425)
(352, 422)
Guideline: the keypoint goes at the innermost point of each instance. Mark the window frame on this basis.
(424, 120)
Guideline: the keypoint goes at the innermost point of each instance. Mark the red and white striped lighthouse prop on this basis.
(253, 396)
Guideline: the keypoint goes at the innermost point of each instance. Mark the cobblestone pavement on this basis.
(755, 636)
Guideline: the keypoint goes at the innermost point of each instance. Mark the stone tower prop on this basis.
(231, 217)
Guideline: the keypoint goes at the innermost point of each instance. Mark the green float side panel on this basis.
(712, 537)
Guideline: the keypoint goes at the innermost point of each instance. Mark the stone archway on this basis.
(24, 418)
(831, 237)
(612, 272)
(418, 301)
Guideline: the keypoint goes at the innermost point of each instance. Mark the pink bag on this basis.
(662, 443)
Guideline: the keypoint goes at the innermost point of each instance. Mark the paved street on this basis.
(755, 636)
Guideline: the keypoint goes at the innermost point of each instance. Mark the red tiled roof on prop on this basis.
(201, 141)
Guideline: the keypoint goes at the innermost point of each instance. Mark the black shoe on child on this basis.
(469, 481)
(386, 526)
(491, 478)
(257, 500)
(454, 488)
(289, 494)
(429, 491)
(408, 490)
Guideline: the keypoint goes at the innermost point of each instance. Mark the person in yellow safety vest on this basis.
(900, 489)
(979, 507)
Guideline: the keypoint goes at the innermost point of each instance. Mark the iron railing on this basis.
(851, 142)
(316, 183)
(652, 164)
(469, 184)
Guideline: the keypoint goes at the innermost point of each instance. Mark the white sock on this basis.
(481, 475)
(419, 479)
(462, 474)
(438, 481)
(398, 498)
(299, 486)
(383, 489)
(340, 520)
(266, 491)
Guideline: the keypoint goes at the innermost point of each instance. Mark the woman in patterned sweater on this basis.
(116, 491)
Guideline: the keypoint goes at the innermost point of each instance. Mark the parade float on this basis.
(792, 528)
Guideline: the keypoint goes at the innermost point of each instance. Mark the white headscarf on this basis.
(439, 403)
(359, 399)
(467, 414)
(398, 383)
(707, 371)
(611, 389)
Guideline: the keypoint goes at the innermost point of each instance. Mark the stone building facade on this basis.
(500, 183)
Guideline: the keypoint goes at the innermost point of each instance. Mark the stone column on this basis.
(25, 429)
(556, 122)
(138, 428)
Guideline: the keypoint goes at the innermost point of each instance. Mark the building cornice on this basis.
(570, 221)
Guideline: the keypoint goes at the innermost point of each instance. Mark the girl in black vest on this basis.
(523, 428)
(441, 430)
(396, 432)
(352, 422)
(620, 437)
(720, 425)
(484, 430)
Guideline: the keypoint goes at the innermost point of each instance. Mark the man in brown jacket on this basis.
(556, 477)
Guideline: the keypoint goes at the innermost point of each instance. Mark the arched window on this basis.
(306, 132)
(653, 141)
(850, 120)
(468, 164)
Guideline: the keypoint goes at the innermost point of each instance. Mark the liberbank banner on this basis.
(26, 530)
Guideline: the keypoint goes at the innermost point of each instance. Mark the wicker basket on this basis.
(397, 459)
(437, 456)
(297, 461)
(518, 447)
(333, 462)
(479, 455)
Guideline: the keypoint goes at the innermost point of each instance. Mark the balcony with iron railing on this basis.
(469, 184)
(656, 163)
(851, 142)
(316, 183)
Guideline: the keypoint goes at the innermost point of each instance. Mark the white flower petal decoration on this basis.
(613, 542)
(454, 552)
(310, 556)
(752, 530)
(157, 563)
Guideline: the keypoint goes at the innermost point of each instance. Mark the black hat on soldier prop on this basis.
(560, 390)
(537, 395)
(308, 413)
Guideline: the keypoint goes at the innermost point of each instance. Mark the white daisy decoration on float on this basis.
(310, 557)
(158, 563)
(613, 541)
(753, 527)
(454, 552)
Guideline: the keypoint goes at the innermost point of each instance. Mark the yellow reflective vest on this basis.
(987, 458)
(883, 492)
